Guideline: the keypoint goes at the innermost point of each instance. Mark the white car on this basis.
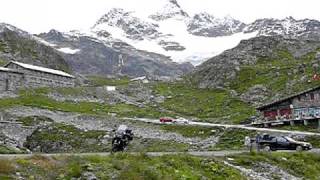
(181, 120)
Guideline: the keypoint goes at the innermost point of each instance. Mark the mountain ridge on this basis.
(18, 45)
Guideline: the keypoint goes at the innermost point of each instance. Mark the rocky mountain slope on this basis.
(88, 54)
(262, 67)
(19, 45)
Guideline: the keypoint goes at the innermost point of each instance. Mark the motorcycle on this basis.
(121, 139)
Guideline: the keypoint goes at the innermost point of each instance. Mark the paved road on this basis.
(156, 121)
(202, 153)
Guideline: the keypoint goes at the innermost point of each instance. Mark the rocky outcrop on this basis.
(256, 94)
(15, 134)
(171, 46)
(56, 137)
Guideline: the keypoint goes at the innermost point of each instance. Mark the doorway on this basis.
(7, 85)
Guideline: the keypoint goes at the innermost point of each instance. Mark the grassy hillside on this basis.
(120, 166)
(37, 98)
(210, 104)
(124, 166)
(282, 75)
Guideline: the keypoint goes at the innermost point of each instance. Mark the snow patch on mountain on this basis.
(197, 48)
(44, 41)
(68, 50)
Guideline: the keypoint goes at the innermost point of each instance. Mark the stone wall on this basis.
(10, 81)
(41, 79)
(16, 132)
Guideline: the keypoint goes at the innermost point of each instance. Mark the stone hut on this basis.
(15, 75)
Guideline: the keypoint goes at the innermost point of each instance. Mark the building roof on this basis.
(9, 70)
(42, 69)
(287, 98)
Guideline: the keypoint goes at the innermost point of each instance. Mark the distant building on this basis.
(16, 75)
(143, 79)
(110, 88)
(301, 106)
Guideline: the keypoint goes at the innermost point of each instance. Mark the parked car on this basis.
(166, 120)
(181, 120)
(283, 143)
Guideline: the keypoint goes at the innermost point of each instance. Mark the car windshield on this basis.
(290, 139)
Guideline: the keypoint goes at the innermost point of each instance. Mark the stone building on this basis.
(16, 75)
(303, 106)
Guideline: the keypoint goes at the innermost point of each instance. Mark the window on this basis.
(311, 96)
(281, 139)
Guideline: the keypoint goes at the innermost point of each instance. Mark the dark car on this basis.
(283, 143)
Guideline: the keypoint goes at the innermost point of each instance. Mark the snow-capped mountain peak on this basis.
(114, 16)
(126, 23)
(170, 10)
(171, 32)
(288, 27)
(4, 26)
(204, 24)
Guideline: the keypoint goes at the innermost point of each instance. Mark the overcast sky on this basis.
(38, 16)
